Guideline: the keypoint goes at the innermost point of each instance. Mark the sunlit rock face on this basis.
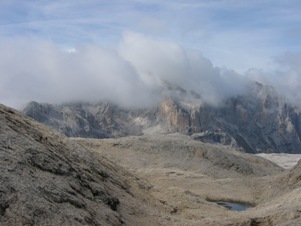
(257, 121)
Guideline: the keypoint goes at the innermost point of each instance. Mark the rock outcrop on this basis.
(258, 121)
(45, 179)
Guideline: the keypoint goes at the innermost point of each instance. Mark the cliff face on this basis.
(262, 121)
(82, 120)
(259, 121)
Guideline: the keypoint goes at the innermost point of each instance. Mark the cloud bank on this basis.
(286, 78)
(41, 71)
(130, 75)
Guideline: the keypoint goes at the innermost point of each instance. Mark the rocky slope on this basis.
(258, 121)
(47, 180)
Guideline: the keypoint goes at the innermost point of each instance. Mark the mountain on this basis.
(49, 179)
(260, 120)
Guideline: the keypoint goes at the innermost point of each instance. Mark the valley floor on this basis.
(186, 176)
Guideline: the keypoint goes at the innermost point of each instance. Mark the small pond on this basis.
(234, 205)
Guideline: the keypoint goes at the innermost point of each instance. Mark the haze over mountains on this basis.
(260, 120)
(146, 86)
(146, 74)
(181, 162)
(128, 74)
(148, 112)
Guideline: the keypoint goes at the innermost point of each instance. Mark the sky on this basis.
(65, 50)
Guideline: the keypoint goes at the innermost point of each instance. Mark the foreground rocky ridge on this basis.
(258, 121)
(47, 180)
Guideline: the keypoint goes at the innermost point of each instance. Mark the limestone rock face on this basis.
(258, 121)
(174, 117)
(101, 120)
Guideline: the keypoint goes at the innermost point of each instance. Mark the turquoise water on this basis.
(234, 206)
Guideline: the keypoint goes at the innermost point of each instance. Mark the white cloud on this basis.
(41, 71)
(161, 60)
(286, 78)
(33, 69)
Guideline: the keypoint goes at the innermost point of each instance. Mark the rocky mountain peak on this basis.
(258, 121)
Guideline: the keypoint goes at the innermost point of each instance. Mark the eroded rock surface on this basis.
(47, 180)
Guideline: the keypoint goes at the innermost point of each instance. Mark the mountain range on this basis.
(258, 120)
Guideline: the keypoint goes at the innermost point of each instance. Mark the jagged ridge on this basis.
(258, 121)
